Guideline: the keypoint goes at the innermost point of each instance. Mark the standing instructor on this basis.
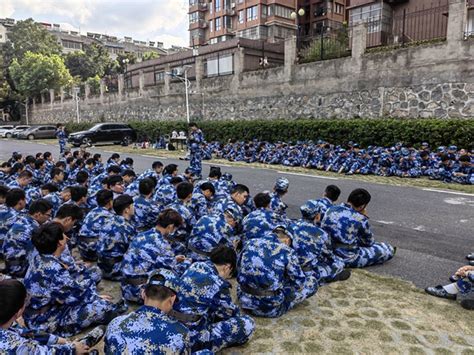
(195, 139)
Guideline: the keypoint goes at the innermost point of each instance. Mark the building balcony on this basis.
(201, 6)
(227, 11)
(202, 24)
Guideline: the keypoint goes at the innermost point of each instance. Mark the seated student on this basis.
(279, 190)
(94, 222)
(462, 282)
(270, 277)
(205, 305)
(115, 184)
(23, 181)
(331, 194)
(59, 303)
(214, 230)
(146, 210)
(115, 238)
(15, 339)
(57, 177)
(3, 195)
(351, 236)
(149, 329)
(17, 246)
(313, 246)
(238, 197)
(149, 251)
(262, 220)
(15, 202)
(202, 199)
(184, 192)
(166, 193)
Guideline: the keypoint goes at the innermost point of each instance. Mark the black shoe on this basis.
(343, 275)
(94, 336)
(394, 250)
(439, 291)
(470, 256)
(467, 304)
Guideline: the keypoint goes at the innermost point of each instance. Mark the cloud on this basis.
(170, 40)
(6, 9)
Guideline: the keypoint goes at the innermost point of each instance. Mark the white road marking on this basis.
(459, 201)
(308, 175)
(420, 228)
(463, 220)
(450, 192)
(219, 164)
(152, 156)
(386, 222)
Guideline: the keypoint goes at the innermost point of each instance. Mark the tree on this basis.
(93, 61)
(35, 73)
(29, 36)
(125, 59)
(150, 55)
(4, 87)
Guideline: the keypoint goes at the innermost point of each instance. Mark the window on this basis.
(71, 44)
(160, 76)
(280, 11)
(211, 7)
(193, 2)
(193, 17)
(218, 6)
(339, 9)
(227, 22)
(211, 26)
(252, 13)
(264, 11)
(222, 65)
(241, 16)
(218, 24)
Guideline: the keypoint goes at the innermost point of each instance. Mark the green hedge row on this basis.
(382, 132)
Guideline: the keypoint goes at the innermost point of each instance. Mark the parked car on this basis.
(117, 133)
(5, 128)
(38, 132)
(14, 131)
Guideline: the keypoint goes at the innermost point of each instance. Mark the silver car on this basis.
(38, 132)
(13, 132)
(3, 129)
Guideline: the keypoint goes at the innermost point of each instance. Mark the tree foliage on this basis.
(150, 55)
(35, 73)
(29, 36)
(93, 61)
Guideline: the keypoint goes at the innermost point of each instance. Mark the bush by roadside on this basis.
(381, 132)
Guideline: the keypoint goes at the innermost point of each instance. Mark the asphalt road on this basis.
(433, 230)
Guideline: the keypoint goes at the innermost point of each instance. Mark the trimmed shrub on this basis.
(381, 132)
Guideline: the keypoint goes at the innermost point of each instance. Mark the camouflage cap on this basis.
(282, 184)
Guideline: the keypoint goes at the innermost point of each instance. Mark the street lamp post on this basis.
(76, 91)
(187, 85)
(295, 15)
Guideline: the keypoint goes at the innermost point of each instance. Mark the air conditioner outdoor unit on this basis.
(232, 5)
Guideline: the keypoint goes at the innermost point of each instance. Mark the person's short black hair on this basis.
(61, 165)
(78, 192)
(40, 205)
(39, 163)
(359, 197)
(464, 158)
(170, 169)
(6, 164)
(50, 187)
(113, 180)
(146, 186)
(96, 156)
(332, 192)
(16, 167)
(121, 203)
(240, 189)
(46, 155)
(444, 157)
(56, 172)
(127, 160)
(424, 153)
(70, 210)
(114, 169)
(30, 159)
(262, 200)
(79, 163)
(114, 156)
(3, 191)
(14, 196)
(129, 172)
(175, 180)
(70, 160)
(215, 172)
(82, 177)
(90, 161)
(156, 164)
(207, 186)
(103, 197)
(25, 174)
(222, 255)
(158, 292)
(75, 154)
(59, 125)
(46, 237)
(192, 124)
(184, 189)
(169, 216)
(12, 298)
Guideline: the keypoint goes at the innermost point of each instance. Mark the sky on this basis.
(147, 20)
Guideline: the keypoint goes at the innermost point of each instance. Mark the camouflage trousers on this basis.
(329, 269)
(195, 163)
(277, 305)
(357, 257)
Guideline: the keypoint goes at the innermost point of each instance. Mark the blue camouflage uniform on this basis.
(62, 139)
(321, 205)
(17, 246)
(148, 251)
(146, 213)
(466, 284)
(208, 233)
(114, 240)
(20, 340)
(8, 216)
(352, 238)
(270, 277)
(187, 215)
(199, 205)
(259, 222)
(59, 303)
(148, 330)
(92, 225)
(194, 144)
(205, 296)
(55, 199)
(165, 194)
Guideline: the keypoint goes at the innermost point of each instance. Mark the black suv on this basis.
(117, 133)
